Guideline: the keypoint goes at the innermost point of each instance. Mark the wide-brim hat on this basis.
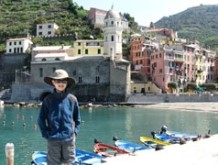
(59, 74)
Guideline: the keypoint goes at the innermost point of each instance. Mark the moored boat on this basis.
(130, 146)
(107, 150)
(173, 136)
(82, 158)
(154, 143)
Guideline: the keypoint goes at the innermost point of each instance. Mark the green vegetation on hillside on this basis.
(196, 23)
(19, 18)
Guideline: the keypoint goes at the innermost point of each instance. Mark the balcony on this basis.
(169, 58)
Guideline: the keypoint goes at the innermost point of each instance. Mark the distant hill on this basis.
(200, 23)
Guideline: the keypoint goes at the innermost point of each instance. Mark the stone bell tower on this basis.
(113, 35)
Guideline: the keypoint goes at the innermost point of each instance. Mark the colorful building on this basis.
(97, 16)
(88, 47)
(162, 59)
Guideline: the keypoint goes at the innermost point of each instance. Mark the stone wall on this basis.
(173, 98)
(8, 65)
(93, 77)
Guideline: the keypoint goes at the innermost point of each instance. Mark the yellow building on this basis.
(204, 63)
(88, 47)
(144, 87)
(199, 67)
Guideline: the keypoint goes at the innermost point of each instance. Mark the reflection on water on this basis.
(1, 111)
(19, 126)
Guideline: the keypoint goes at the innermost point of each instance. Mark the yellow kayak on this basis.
(152, 142)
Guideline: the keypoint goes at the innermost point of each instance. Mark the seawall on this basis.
(172, 98)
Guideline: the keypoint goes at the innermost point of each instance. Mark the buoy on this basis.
(1, 103)
(35, 126)
(24, 124)
(9, 153)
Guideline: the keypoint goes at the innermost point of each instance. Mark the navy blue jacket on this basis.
(59, 117)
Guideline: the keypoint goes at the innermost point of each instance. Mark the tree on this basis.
(172, 86)
(191, 86)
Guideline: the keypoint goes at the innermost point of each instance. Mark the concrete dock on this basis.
(201, 152)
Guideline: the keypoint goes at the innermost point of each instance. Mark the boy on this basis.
(59, 119)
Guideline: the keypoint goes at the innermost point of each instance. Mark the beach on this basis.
(201, 106)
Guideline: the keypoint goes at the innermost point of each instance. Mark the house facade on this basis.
(97, 16)
(18, 45)
(205, 66)
(88, 47)
(216, 69)
(51, 50)
(168, 60)
(46, 30)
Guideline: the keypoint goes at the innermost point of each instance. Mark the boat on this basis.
(154, 143)
(130, 146)
(82, 158)
(107, 150)
(173, 136)
(186, 136)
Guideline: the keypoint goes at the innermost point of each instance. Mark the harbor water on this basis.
(19, 126)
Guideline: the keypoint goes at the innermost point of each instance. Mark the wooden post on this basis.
(9, 153)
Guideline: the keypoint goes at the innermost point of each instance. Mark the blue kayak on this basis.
(175, 137)
(130, 146)
(186, 136)
(82, 158)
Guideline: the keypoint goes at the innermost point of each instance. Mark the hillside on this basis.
(199, 23)
(19, 18)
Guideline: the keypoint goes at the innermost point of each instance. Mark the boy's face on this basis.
(60, 84)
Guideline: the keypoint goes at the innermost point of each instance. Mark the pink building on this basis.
(141, 56)
(175, 63)
(158, 72)
(96, 16)
(189, 66)
(165, 62)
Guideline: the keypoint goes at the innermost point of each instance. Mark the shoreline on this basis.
(185, 106)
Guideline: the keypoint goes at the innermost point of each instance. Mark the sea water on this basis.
(19, 126)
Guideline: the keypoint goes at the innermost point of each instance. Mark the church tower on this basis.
(113, 35)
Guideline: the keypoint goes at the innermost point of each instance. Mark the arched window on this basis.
(57, 59)
(44, 59)
(112, 38)
(112, 23)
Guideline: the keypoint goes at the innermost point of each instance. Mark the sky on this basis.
(145, 11)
